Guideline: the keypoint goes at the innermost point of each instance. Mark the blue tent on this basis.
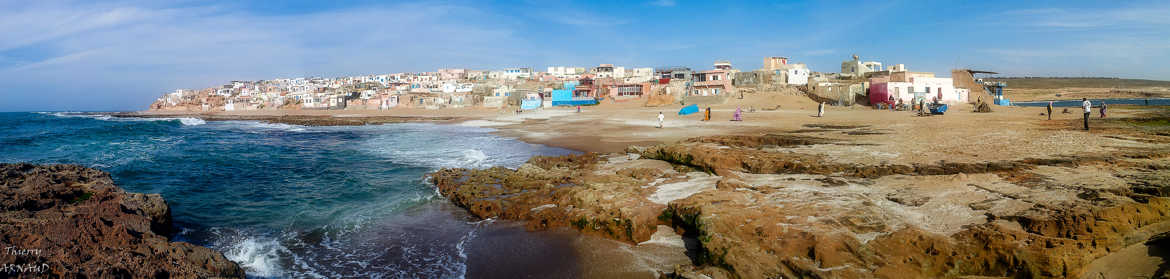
(688, 110)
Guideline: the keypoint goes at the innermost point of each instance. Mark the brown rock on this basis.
(73, 222)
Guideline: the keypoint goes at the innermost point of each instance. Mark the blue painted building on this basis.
(565, 97)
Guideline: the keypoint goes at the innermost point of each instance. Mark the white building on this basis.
(856, 68)
(928, 88)
(566, 72)
(517, 73)
(609, 71)
(638, 75)
(796, 76)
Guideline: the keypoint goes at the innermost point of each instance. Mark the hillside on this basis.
(1058, 82)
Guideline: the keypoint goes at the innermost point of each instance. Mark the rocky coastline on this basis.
(68, 221)
(758, 207)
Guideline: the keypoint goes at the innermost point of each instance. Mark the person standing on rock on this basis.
(1049, 110)
(821, 109)
(660, 118)
(1087, 106)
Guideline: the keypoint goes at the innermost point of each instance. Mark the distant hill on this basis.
(1080, 82)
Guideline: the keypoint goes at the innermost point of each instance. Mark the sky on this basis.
(121, 55)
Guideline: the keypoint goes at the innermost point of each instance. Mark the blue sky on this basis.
(120, 55)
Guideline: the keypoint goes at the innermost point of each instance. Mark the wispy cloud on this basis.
(583, 19)
(663, 3)
(1131, 17)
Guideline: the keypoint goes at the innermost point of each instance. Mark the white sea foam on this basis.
(265, 126)
(189, 121)
(474, 157)
(276, 126)
(258, 257)
(485, 123)
(461, 266)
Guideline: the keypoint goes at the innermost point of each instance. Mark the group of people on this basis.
(1087, 106)
(738, 116)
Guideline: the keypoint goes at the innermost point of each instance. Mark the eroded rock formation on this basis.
(762, 210)
(67, 221)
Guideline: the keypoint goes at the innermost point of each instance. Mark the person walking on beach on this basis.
(660, 118)
(1049, 110)
(821, 109)
(1086, 105)
(578, 109)
(707, 114)
(1103, 106)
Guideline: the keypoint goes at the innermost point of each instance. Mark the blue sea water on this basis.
(288, 201)
(1097, 102)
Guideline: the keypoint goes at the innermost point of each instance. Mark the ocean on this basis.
(288, 201)
(1097, 102)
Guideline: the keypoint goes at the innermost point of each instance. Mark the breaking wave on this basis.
(188, 121)
(192, 121)
(258, 257)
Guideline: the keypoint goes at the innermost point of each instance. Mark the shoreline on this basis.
(847, 135)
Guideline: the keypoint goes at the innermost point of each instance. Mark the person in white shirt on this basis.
(1087, 106)
(660, 118)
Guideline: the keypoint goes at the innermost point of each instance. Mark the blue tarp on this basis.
(528, 104)
(939, 109)
(688, 110)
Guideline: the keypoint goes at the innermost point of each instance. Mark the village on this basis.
(858, 82)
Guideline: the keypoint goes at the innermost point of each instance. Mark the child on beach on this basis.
(660, 118)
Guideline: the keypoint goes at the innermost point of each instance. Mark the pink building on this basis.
(624, 91)
(712, 82)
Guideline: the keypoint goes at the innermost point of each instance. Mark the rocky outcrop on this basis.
(552, 192)
(758, 209)
(67, 221)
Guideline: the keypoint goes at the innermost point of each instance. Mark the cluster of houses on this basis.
(524, 88)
